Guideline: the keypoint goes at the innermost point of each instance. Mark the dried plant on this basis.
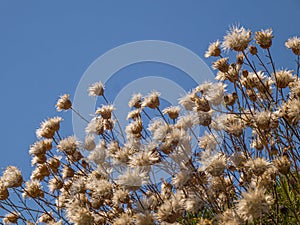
(244, 169)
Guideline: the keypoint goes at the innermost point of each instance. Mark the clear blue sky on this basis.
(45, 47)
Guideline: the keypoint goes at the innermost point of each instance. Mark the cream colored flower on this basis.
(254, 204)
(294, 44)
(78, 214)
(144, 158)
(95, 126)
(134, 128)
(33, 189)
(120, 196)
(69, 145)
(221, 65)
(40, 147)
(171, 209)
(49, 127)
(215, 94)
(217, 165)
(283, 78)
(12, 177)
(237, 38)
(213, 49)
(234, 125)
(54, 163)
(257, 166)
(238, 159)
(96, 89)
(135, 101)
(40, 172)
(133, 178)
(134, 114)
(89, 143)
(263, 120)
(283, 165)
(11, 218)
(172, 111)
(105, 111)
(67, 172)
(186, 101)
(201, 104)
(159, 129)
(55, 183)
(291, 111)
(187, 121)
(264, 38)
(98, 155)
(144, 219)
(64, 103)
(151, 100)
(181, 178)
(38, 160)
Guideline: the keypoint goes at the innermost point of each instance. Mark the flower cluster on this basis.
(242, 169)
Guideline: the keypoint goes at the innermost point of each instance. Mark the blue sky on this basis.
(46, 46)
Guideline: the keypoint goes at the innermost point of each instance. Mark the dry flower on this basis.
(64, 103)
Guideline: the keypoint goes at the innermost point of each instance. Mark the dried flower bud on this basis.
(49, 127)
(294, 44)
(64, 103)
(40, 147)
(263, 120)
(3, 191)
(283, 165)
(75, 157)
(135, 127)
(205, 118)
(213, 50)
(40, 172)
(240, 59)
(69, 145)
(38, 159)
(291, 111)
(89, 143)
(237, 38)
(96, 89)
(55, 184)
(152, 100)
(230, 99)
(11, 218)
(258, 166)
(105, 111)
(67, 172)
(54, 163)
(201, 104)
(252, 50)
(172, 111)
(33, 190)
(264, 38)
(245, 73)
(221, 64)
(134, 114)
(12, 177)
(283, 78)
(252, 95)
(135, 101)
